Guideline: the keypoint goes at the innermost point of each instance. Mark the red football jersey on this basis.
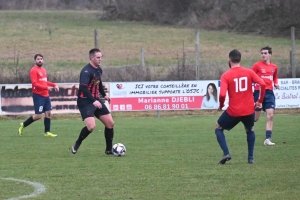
(237, 81)
(39, 81)
(268, 72)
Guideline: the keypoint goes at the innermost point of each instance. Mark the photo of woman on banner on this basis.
(210, 99)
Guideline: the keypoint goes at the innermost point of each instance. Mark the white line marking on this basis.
(38, 188)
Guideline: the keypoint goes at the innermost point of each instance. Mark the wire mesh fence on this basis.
(153, 56)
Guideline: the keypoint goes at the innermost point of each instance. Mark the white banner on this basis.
(164, 95)
(288, 95)
(138, 96)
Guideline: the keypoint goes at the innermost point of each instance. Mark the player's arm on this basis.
(255, 68)
(223, 90)
(83, 85)
(84, 89)
(35, 82)
(53, 85)
(102, 92)
(261, 82)
(275, 79)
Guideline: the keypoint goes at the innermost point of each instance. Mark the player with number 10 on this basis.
(237, 81)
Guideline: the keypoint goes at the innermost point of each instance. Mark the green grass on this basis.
(24, 33)
(167, 158)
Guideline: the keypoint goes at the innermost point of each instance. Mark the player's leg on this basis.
(38, 110)
(106, 118)
(227, 122)
(257, 110)
(257, 114)
(47, 119)
(269, 108)
(248, 122)
(269, 127)
(87, 114)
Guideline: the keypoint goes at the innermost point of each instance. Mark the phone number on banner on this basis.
(166, 106)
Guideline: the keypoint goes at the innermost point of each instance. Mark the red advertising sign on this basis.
(161, 103)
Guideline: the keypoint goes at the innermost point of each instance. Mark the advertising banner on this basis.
(164, 95)
(139, 96)
(288, 95)
(17, 98)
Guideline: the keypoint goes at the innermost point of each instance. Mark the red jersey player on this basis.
(40, 95)
(268, 72)
(237, 81)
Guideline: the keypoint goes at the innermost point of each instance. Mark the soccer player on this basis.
(237, 81)
(40, 95)
(89, 103)
(268, 72)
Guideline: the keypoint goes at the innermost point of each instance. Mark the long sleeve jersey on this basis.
(38, 76)
(238, 82)
(268, 72)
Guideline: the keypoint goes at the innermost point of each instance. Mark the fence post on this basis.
(293, 52)
(197, 43)
(96, 38)
(143, 58)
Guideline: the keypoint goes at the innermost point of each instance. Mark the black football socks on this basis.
(83, 134)
(47, 122)
(28, 121)
(109, 136)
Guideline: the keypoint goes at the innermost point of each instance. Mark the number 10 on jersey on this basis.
(241, 84)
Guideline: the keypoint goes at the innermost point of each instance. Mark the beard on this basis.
(39, 64)
(229, 64)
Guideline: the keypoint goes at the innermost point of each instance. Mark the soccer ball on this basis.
(119, 149)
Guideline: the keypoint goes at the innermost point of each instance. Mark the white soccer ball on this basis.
(119, 149)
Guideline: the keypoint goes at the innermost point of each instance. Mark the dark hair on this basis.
(235, 56)
(93, 51)
(267, 48)
(214, 92)
(37, 55)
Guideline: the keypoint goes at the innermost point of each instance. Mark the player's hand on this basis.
(219, 109)
(276, 86)
(97, 104)
(107, 98)
(258, 105)
(56, 88)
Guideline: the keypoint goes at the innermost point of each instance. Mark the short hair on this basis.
(267, 48)
(93, 51)
(37, 55)
(235, 56)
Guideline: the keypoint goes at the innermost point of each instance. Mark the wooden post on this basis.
(96, 38)
(143, 58)
(293, 53)
(197, 53)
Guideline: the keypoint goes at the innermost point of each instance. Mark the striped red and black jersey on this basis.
(90, 77)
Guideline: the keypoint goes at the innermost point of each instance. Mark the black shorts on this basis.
(87, 109)
(228, 122)
(268, 102)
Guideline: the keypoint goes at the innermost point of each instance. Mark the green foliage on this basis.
(167, 158)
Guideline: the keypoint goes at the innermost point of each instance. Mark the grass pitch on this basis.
(167, 158)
